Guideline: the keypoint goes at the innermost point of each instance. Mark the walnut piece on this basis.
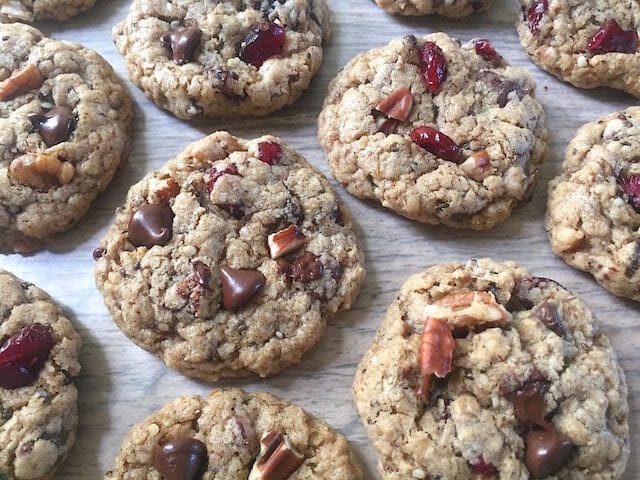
(278, 459)
(41, 171)
(21, 81)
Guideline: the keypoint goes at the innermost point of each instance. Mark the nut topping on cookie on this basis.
(21, 81)
(437, 143)
(611, 38)
(485, 50)
(151, 225)
(433, 66)
(546, 452)
(278, 459)
(215, 174)
(263, 41)
(41, 171)
(184, 459)
(306, 268)
(182, 44)
(238, 286)
(269, 152)
(285, 241)
(534, 14)
(23, 355)
(397, 105)
(477, 166)
(54, 126)
(436, 353)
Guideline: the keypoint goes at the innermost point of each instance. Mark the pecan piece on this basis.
(477, 166)
(395, 108)
(41, 171)
(21, 81)
(277, 460)
(285, 241)
(436, 353)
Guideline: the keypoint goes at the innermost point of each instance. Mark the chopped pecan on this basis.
(397, 105)
(477, 166)
(278, 459)
(21, 81)
(285, 241)
(436, 353)
(41, 171)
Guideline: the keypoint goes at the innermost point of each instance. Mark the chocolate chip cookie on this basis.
(447, 8)
(233, 435)
(38, 357)
(593, 208)
(30, 10)
(588, 44)
(228, 259)
(436, 131)
(64, 130)
(223, 58)
(484, 371)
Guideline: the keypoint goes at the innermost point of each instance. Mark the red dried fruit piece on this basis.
(483, 468)
(535, 12)
(436, 353)
(263, 41)
(485, 50)
(611, 38)
(269, 152)
(437, 143)
(23, 356)
(631, 186)
(215, 174)
(433, 66)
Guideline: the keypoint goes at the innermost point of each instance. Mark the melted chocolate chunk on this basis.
(151, 225)
(547, 314)
(182, 44)
(184, 459)
(546, 452)
(528, 403)
(501, 85)
(306, 268)
(54, 126)
(238, 286)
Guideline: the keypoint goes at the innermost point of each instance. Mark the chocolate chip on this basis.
(501, 85)
(98, 253)
(546, 313)
(528, 403)
(184, 459)
(201, 274)
(546, 452)
(306, 268)
(283, 266)
(238, 286)
(182, 44)
(236, 210)
(54, 126)
(151, 225)
(518, 301)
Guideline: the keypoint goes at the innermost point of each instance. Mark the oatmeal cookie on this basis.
(38, 358)
(436, 131)
(223, 57)
(30, 10)
(447, 8)
(65, 125)
(484, 370)
(229, 258)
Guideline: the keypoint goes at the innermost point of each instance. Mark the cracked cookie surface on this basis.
(471, 425)
(230, 424)
(485, 106)
(224, 205)
(30, 10)
(37, 420)
(558, 35)
(213, 80)
(447, 8)
(593, 207)
(89, 135)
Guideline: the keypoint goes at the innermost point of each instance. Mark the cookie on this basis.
(228, 259)
(223, 58)
(233, 435)
(447, 8)
(65, 125)
(38, 358)
(30, 10)
(588, 44)
(484, 371)
(436, 131)
(593, 207)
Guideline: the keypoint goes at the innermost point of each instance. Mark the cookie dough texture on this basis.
(144, 288)
(81, 80)
(447, 8)
(216, 82)
(37, 422)
(590, 221)
(565, 30)
(480, 106)
(230, 423)
(467, 416)
(30, 10)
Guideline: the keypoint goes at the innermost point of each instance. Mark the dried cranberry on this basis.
(631, 186)
(263, 41)
(486, 51)
(436, 142)
(433, 66)
(269, 152)
(23, 356)
(535, 12)
(611, 38)
(483, 468)
(215, 174)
